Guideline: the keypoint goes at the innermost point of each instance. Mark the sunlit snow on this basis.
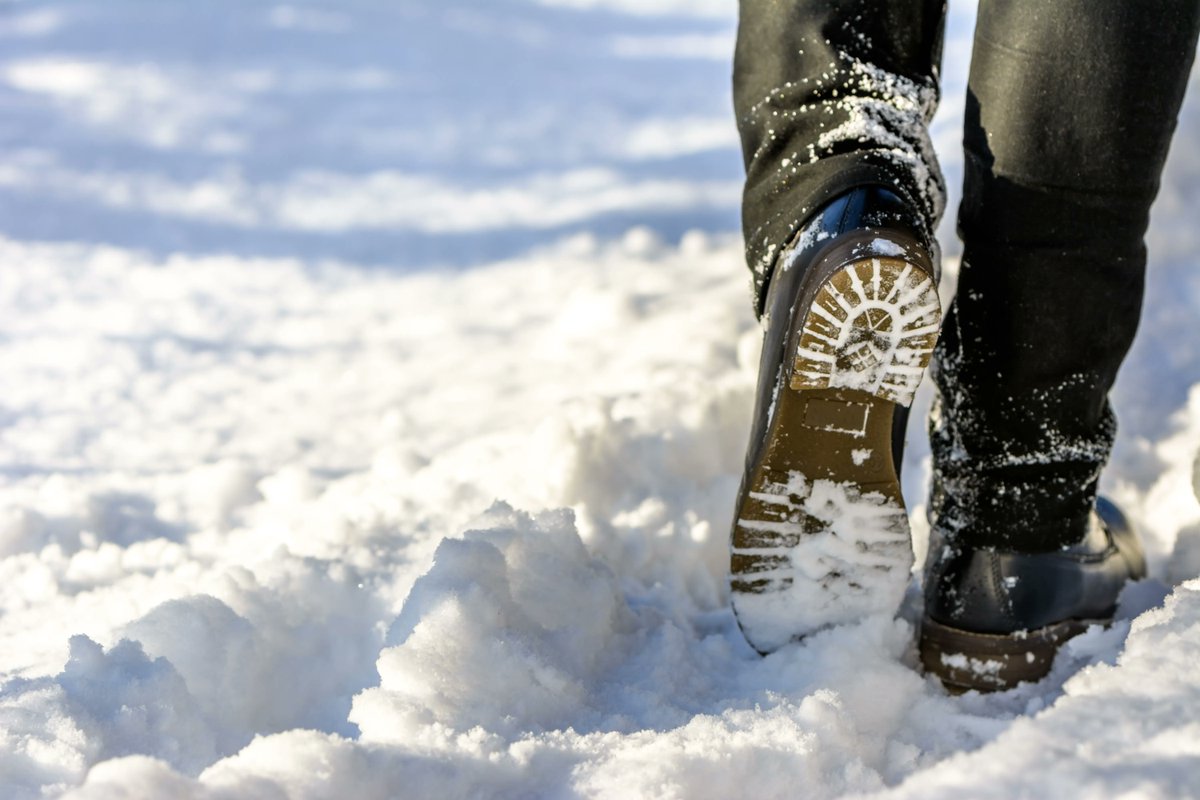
(376, 378)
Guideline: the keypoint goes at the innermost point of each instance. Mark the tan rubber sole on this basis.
(821, 536)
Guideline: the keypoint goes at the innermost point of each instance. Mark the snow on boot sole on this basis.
(821, 536)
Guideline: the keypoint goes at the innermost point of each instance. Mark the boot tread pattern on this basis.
(821, 536)
(810, 554)
(872, 326)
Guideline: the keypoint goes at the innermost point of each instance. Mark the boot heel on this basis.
(964, 660)
(871, 327)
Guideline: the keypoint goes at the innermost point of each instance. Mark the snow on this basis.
(857, 565)
(886, 247)
(894, 112)
(376, 380)
(891, 363)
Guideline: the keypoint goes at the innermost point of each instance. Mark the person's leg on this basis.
(842, 195)
(830, 95)
(1071, 106)
(1070, 112)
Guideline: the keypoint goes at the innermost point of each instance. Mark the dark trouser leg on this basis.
(1070, 111)
(830, 95)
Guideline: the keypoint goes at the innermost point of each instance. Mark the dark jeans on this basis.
(1070, 110)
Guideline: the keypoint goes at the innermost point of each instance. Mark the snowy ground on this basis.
(375, 379)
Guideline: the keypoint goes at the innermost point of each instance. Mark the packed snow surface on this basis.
(375, 384)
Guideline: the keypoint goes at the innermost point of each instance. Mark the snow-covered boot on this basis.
(820, 534)
(994, 618)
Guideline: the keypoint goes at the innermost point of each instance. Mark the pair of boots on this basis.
(820, 534)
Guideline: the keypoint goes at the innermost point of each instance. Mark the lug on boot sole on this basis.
(821, 536)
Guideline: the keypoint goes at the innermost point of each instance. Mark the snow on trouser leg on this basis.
(820, 535)
(831, 95)
(1068, 120)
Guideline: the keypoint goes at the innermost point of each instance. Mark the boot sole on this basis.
(965, 660)
(821, 536)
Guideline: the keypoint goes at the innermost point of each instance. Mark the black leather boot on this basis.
(820, 534)
(994, 618)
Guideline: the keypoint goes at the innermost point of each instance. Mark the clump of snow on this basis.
(979, 666)
(562, 613)
(102, 705)
(886, 247)
(855, 564)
